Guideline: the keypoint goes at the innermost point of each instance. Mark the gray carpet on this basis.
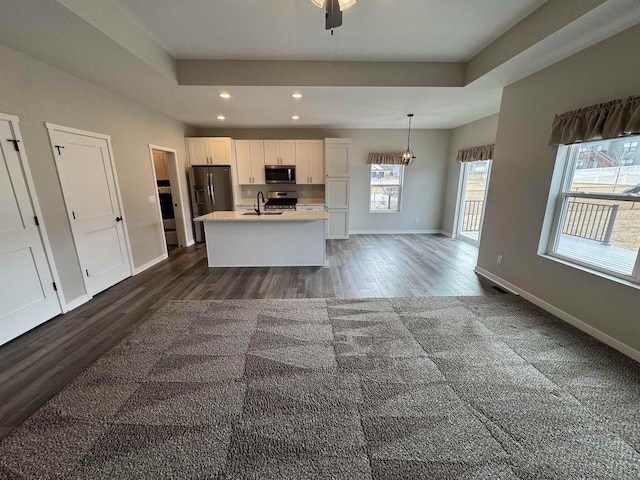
(428, 388)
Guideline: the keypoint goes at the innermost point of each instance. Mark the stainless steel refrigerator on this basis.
(211, 190)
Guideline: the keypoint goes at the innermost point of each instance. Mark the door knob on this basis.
(118, 219)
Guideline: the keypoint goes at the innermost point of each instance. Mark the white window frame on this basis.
(570, 156)
(400, 189)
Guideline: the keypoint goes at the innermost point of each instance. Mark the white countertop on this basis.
(236, 216)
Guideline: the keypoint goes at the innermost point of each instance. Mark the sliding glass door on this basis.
(475, 179)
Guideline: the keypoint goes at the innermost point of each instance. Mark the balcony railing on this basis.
(472, 215)
(592, 221)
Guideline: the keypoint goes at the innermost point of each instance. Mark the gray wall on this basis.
(522, 172)
(38, 93)
(424, 182)
(480, 132)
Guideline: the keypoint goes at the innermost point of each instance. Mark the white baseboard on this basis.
(447, 234)
(75, 303)
(394, 232)
(561, 314)
(150, 264)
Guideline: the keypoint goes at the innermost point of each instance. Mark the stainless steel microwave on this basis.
(280, 173)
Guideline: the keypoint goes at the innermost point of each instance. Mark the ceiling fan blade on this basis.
(333, 15)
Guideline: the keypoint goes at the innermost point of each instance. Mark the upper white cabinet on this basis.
(309, 161)
(279, 152)
(209, 150)
(337, 157)
(250, 158)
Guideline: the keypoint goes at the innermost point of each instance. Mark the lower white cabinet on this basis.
(338, 223)
(244, 208)
(310, 208)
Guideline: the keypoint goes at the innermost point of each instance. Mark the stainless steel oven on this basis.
(280, 173)
(281, 201)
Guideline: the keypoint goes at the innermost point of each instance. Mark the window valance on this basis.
(602, 121)
(474, 154)
(385, 159)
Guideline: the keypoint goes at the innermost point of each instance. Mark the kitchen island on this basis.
(292, 238)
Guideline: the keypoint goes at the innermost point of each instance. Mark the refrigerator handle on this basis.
(213, 192)
(209, 188)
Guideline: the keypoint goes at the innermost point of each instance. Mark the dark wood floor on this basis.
(35, 366)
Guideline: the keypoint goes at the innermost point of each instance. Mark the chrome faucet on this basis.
(257, 210)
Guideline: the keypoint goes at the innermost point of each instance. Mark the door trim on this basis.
(14, 122)
(174, 173)
(51, 128)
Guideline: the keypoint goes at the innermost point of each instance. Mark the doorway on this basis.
(86, 169)
(166, 174)
(473, 195)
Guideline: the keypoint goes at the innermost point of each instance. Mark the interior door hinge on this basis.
(87, 272)
(15, 143)
(55, 287)
(35, 219)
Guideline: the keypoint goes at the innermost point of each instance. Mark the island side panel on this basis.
(265, 243)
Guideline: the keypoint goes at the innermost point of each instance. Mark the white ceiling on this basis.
(372, 30)
(130, 47)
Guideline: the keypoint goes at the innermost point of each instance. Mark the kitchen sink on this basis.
(262, 213)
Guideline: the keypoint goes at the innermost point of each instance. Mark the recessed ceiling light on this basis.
(295, 117)
(221, 117)
(296, 95)
(225, 95)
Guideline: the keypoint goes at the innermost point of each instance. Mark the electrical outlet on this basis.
(417, 220)
(152, 199)
(304, 192)
(249, 192)
(499, 259)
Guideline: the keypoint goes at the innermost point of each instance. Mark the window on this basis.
(597, 214)
(629, 147)
(587, 150)
(385, 188)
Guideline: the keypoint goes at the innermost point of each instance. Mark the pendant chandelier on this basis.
(407, 156)
(334, 9)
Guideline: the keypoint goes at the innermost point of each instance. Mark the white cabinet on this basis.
(209, 150)
(338, 224)
(244, 208)
(279, 152)
(337, 192)
(310, 208)
(250, 158)
(337, 159)
(309, 162)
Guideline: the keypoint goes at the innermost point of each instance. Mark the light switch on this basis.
(152, 199)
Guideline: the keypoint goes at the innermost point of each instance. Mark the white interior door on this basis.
(27, 295)
(88, 184)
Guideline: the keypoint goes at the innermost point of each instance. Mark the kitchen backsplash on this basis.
(304, 191)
